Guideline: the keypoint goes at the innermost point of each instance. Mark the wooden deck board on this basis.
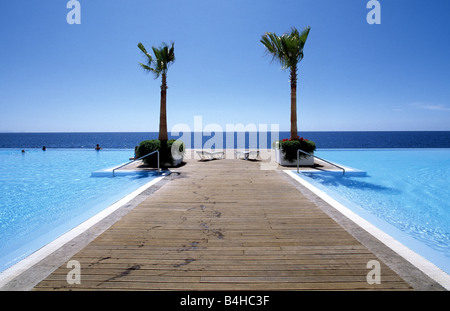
(225, 225)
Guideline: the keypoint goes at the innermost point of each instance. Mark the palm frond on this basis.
(273, 45)
(287, 48)
(163, 57)
(150, 62)
(304, 35)
(146, 67)
(142, 48)
(172, 53)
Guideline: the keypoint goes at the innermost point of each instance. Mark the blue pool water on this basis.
(44, 194)
(405, 193)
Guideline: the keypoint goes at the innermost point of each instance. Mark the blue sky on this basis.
(57, 77)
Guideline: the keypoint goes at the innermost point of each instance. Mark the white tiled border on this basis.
(23, 265)
(421, 263)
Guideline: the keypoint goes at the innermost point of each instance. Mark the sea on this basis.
(323, 140)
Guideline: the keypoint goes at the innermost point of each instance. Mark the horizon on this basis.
(355, 77)
(238, 139)
(169, 132)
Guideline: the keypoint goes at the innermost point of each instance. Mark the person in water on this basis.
(97, 147)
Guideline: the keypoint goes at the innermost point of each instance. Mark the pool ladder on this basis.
(311, 155)
(149, 154)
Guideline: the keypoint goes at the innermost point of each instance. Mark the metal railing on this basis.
(156, 151)
(311, 155)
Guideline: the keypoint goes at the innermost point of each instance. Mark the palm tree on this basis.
(288, 50)
(164, 56)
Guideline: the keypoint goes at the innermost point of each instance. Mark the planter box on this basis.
(304, 161)
(176, 162)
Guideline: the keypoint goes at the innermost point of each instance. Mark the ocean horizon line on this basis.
(281, 131)
(261, 139)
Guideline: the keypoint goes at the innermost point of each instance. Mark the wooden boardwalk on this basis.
(225, 225)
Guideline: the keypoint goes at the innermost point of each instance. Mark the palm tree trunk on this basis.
(162, 112)
(294, 132)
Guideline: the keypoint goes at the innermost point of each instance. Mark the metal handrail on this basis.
(298, 160)
(157, 151)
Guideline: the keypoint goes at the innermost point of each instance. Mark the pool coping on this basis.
(20, 276)
(424, 265)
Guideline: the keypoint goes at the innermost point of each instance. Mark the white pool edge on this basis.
(418, 261)
(15, 270)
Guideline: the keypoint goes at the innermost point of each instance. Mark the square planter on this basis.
(176, 162)
(304, 161)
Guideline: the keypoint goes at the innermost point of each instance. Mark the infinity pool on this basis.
(44, 194)
(405, 193)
